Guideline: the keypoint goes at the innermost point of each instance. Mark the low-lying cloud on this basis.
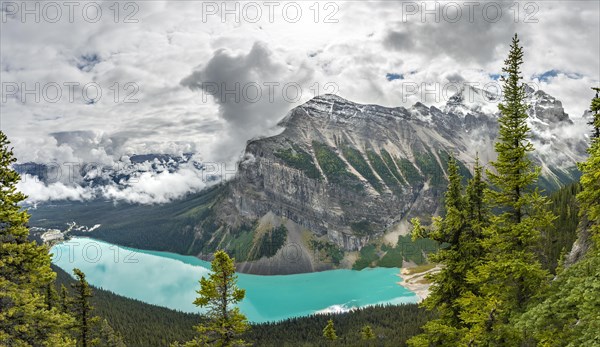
(38, 191)
(153, 181)
(156, 188)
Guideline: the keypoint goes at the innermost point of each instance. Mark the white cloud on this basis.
(38, 191)
(157, 188)
(171, 43)
(145, 188)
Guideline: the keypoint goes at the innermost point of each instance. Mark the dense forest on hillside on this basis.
(139, 324)
(145, 224)
(560, 238)
(392, 325)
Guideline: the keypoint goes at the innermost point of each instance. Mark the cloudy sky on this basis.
(204, 77)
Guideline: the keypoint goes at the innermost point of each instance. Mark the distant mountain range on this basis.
(97, 174)
(339, 177)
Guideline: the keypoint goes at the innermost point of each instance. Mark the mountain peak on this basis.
(469, 99)
(329, 98)
(470, 94)
(324, 106)
(546, 108)
(530, 90)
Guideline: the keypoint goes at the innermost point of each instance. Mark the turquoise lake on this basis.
(171, 280)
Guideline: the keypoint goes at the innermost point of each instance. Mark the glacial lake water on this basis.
(171, 280)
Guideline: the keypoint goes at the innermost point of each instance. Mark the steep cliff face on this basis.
(340, 169)
(347, 173)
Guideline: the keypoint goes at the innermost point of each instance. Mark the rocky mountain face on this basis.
(344, 170)
(346, 174)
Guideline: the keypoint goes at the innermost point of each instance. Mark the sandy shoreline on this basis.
(416, 281)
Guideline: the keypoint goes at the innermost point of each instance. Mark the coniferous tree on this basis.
(329, 331)
(64, 297)
(108, 336)
(460, 231)
(51, 296)
(511, 274)
(219, 293)
(85, 321)
(589, 198)
(25, 273)
(595, 121)
(478, 213)
(567, 314)
(367, 333)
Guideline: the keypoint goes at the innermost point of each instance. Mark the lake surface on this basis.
(171, 280)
